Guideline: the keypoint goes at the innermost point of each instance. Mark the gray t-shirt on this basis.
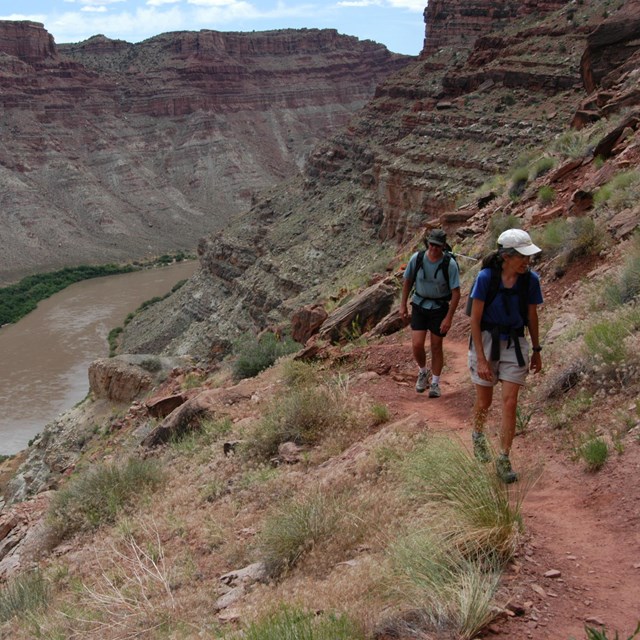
(429, 286)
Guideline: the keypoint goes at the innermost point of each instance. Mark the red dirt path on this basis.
(585, 526)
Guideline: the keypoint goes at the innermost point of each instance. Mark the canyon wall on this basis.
(113, 151)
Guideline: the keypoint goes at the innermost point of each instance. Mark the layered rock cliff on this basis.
(431, 136)
(113, 151)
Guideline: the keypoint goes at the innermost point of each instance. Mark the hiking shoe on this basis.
(434, 390)
(423, 380)
(480, 447)
(504, 470)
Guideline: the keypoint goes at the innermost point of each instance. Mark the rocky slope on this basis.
(115, 151)
(430, 137)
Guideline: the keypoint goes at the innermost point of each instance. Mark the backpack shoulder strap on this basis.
(523, 296)
(444, 267)
(494, 286)
(419, 265)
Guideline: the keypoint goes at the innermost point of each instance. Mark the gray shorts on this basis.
(507, 368)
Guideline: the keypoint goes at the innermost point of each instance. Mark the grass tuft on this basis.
(27, 593)
(98, 495)
(257, 354)
(289, 623)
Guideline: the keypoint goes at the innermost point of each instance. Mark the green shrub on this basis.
(621, 192)
(626, 287)
(295, 624)
(380, 413)
(99, 494)
(297, 373)
(572, 144)
(542, 166)
(546, 194)
(519, 180)
(605, 340)
(23, 594)
(569, 240)
(256, 355)
(498, 224)
(594, 451)
(295, 527)
(302, 416)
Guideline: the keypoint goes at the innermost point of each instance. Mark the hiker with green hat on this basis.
(505, 299)
(434, 277)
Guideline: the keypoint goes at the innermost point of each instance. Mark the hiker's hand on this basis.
(445, 325)
(404, 313)
(536, 362)
(484, 371)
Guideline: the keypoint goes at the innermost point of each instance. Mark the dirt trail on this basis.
(583, 527)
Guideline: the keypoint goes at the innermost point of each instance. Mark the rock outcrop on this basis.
(112, 151)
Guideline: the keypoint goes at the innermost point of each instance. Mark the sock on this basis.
(423, 369)
(435, 379)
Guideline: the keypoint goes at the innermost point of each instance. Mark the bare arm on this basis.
(534, 332)
(477, 309)
(406, 290)
(453, 305)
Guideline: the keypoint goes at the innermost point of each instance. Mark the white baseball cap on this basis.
(519, 240)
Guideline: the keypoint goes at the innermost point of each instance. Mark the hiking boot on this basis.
(480, 447)
(504, 470)
(434, 390)
(423, 380)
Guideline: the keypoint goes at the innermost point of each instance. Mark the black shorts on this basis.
(428, 319)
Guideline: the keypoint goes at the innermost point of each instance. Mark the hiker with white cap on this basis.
(505, 298)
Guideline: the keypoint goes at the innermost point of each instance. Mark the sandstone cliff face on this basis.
(112, 151)
(431, 135)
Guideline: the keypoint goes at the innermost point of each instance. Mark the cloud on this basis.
(158, 3)
(412, 5)
(101, 9)
(360, 3)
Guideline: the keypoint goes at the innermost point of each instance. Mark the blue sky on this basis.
(398, 24)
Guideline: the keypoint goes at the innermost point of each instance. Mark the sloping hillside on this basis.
(324, 498)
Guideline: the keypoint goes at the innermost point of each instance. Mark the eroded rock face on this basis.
(112, 151)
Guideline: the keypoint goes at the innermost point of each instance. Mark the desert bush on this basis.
(450, 591)
(24, 594)
(304, 416)
(288, 623)
(621, 192)
(99, 494)
(297, 373)
(546, 194)
(568, 240)
(498, 224)
(295, 527)
(518, 182)
(194, 440)
(605, 340)
(257, 354)
(561, 416)
(626, 287)
(594, 451)
(380, 413)
(484, 518)
(572, 144)
(542, 166)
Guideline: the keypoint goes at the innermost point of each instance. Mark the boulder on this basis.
(306, 321)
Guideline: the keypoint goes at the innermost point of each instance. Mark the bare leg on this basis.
(417, 343)
(510, 392)
(484, 397)
(437, 355)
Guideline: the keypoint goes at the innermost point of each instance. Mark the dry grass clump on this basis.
(567, 240)
(295, 527)
(304, 416)
(99, 494)
(292, 623)
(23, 595)
(448, 573)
